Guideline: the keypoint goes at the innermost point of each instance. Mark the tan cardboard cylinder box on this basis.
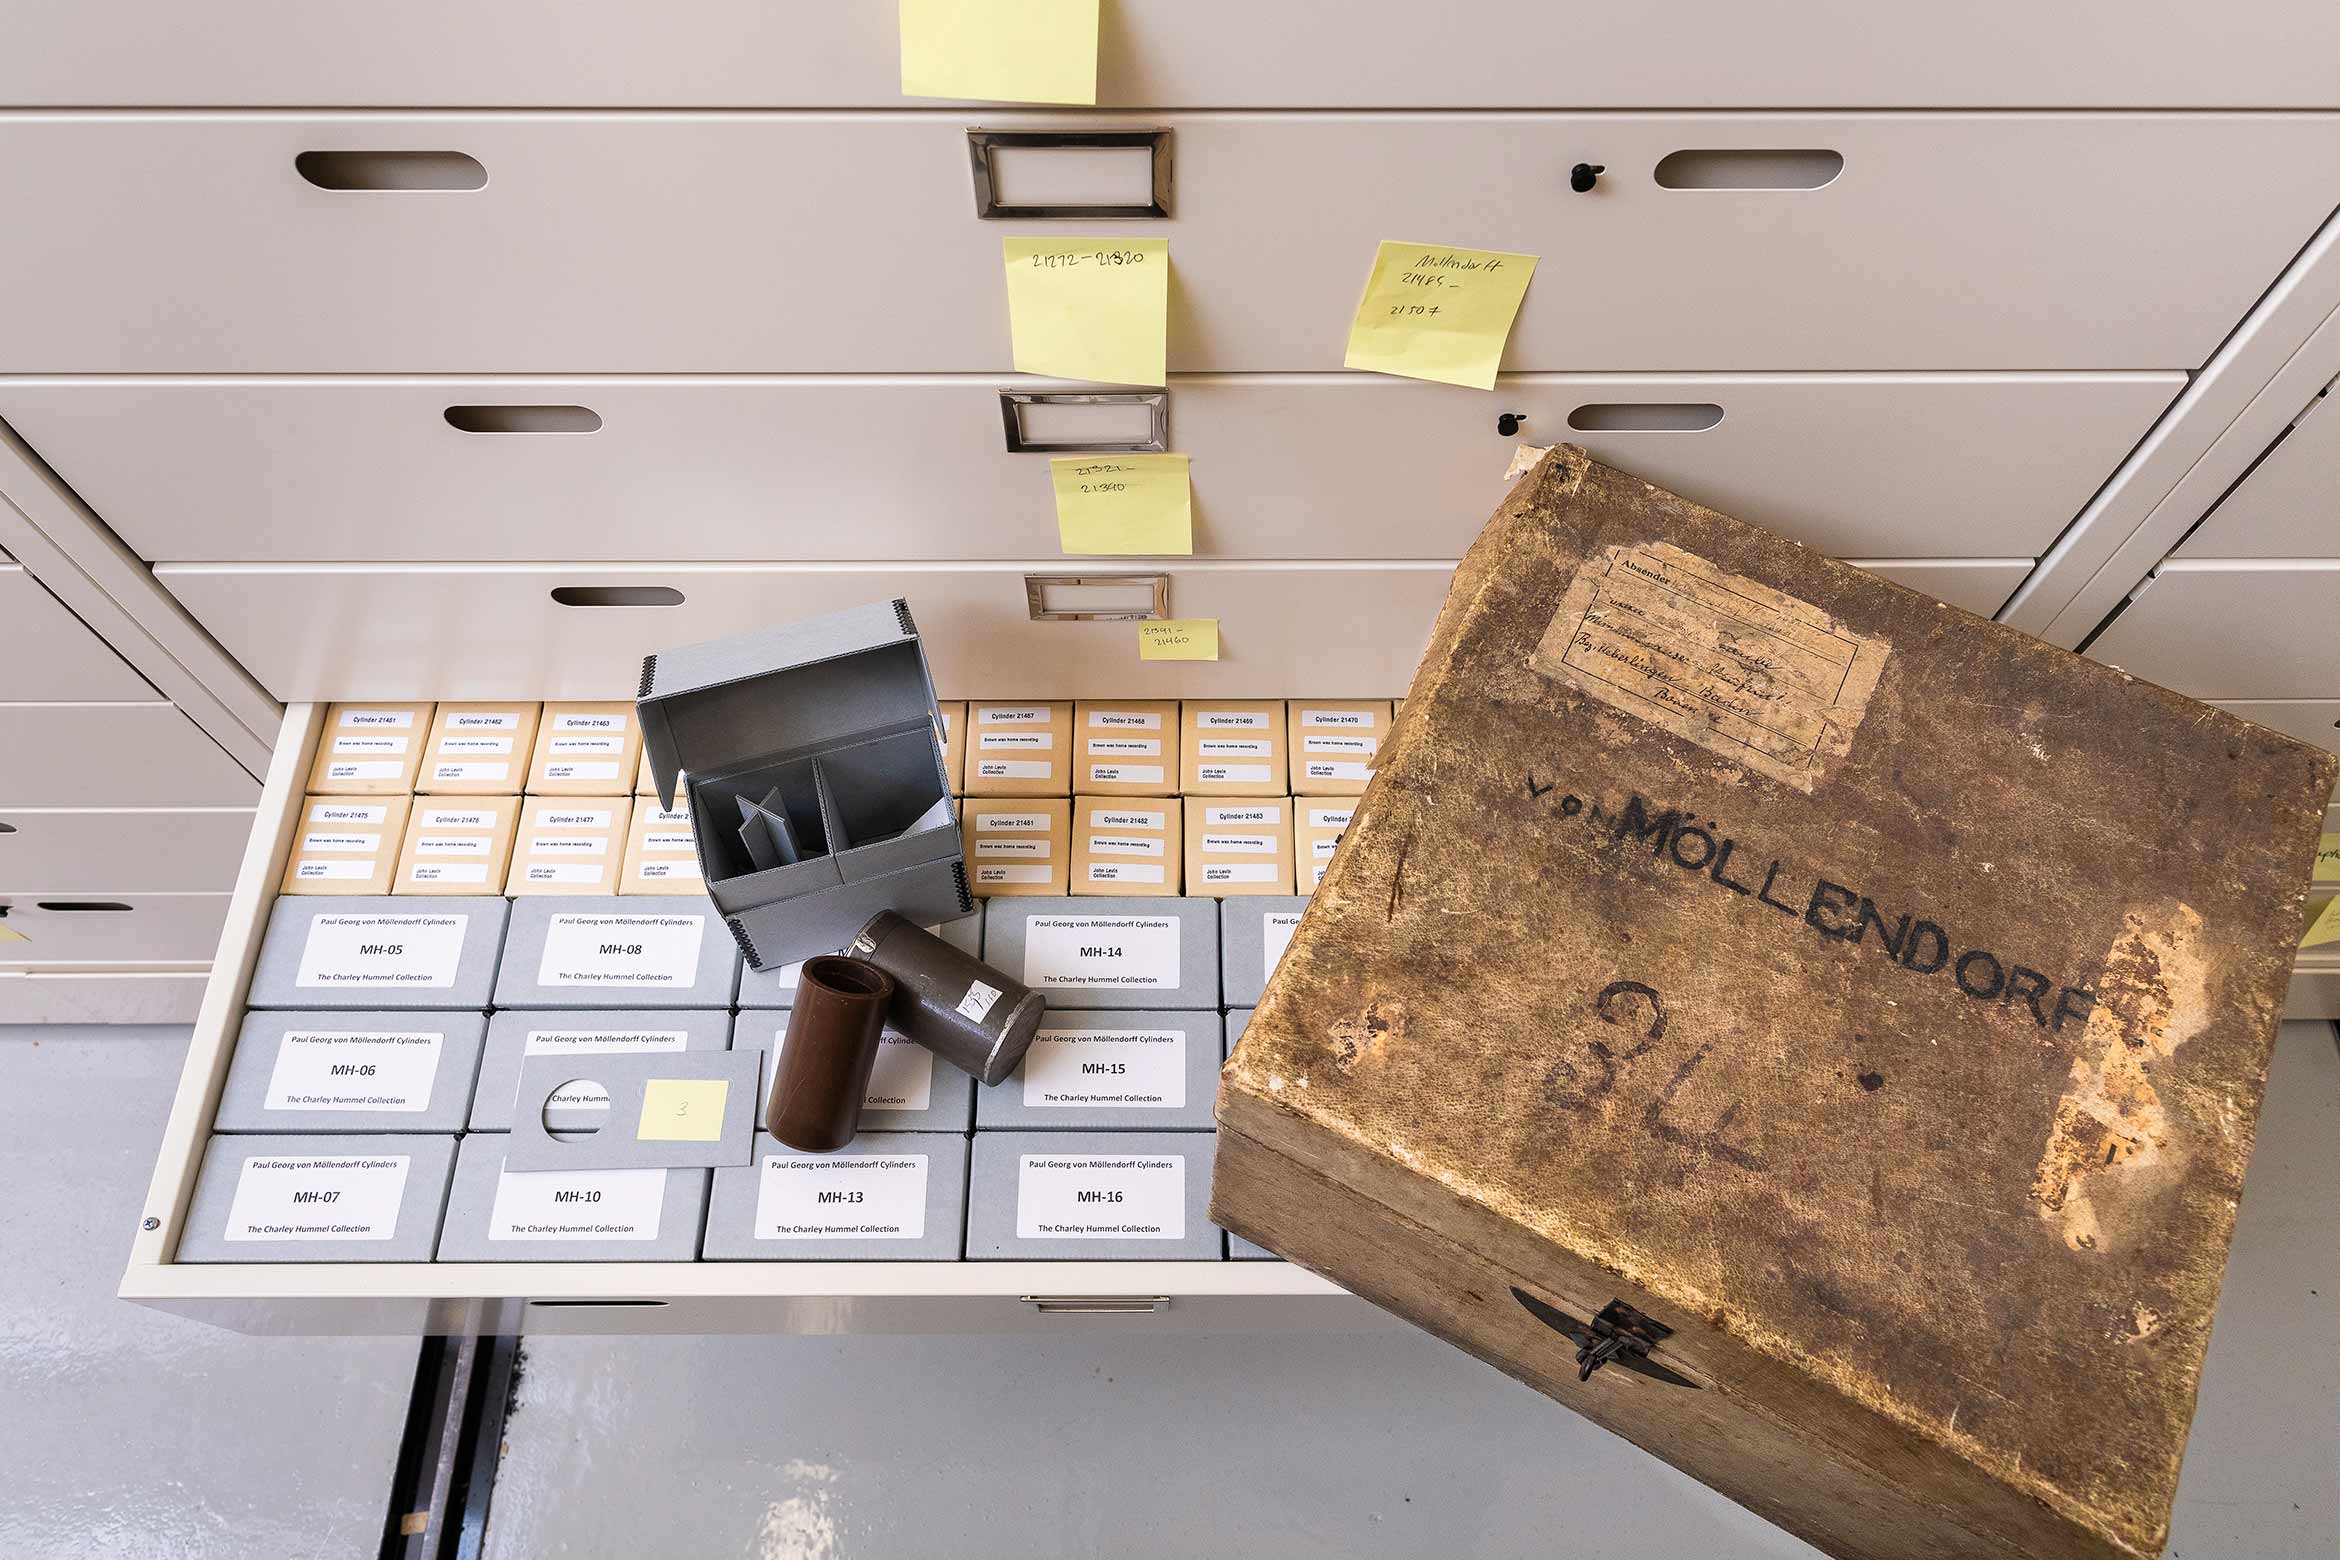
(1126, 748)
(457, 845)
(1317, 825)
(954, 735)
(585, 750)
(1124, 845)
(570, 845)
(661, 856)
(478, 749)
(370, 749)
(346, 845)
(1018, 846)
(1837, 1020)
(1019, 749)
(1238, 845)
(1232, 747)
(1333, 742)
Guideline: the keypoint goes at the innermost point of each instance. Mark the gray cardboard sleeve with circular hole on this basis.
(296, 1071)
(1252, 933)
(568, 1215)
(1108, 953)
(884, 1197)
(317, 1197)
(910, 1088)
(776, 987)
(1092, 1197)
(1147, 1070)
(639, 951)
(371, 952)
(514, 1034)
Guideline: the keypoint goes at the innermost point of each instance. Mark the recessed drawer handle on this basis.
(1043, 421)
(1048, 175)
(1736, 168)
(1097, 1305)
(1096, 598)
(391, 170)
(524, 419)
(1645, 417)
(617, 596)
(84, 906)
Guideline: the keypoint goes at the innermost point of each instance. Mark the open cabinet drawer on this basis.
(677, 1297)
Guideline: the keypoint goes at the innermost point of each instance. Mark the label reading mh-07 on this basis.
(1123, 951)
(621, 950)
(1101, 1197)
(382, 951)
(842, 1197)
(318, 1197)
(329, 1069)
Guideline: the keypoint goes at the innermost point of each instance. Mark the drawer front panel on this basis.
(311, 632)
(48, 653)
(114, 755)
(1195, 53)
(115, 931)
(2232, 630)
(2289, 505)
(107, 997)
(714, 243)
(154, 852)
(1325, 466)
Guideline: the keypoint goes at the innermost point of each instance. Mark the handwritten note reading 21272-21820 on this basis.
(1090, 308)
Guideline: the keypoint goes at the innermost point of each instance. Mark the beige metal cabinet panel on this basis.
(64, 929)
(1285, 466)
(114, 755)
(48, 653)
(2289, 504)
(70, 996)
(143, 850)
(848, 242)
(2233, 630)
(2310, 720)
(1185, 52)
(360, 632)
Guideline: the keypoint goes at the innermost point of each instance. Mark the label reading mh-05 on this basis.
(339, 1069)
(1143, 1069)
(621, 950)
(318, 1197)
(842, 1197)
(1101, 1197)
(382, 951)
(1123, 951)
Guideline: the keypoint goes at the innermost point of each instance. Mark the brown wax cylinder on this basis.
(822, 1072)
(960, 1008)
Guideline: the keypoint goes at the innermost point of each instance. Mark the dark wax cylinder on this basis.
(824, 1064)
(960, 1008)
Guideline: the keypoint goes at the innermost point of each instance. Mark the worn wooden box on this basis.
(1845, 1017)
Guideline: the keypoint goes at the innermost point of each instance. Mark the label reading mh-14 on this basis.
(621, 950)
(318, 1197)
(577, 1205)
(842, 1197)
(326, 1069)
(1124, 951)
(387, 951)
(1101, 1197)
(1137, 1068)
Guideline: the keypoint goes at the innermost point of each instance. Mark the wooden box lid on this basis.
(1865, 1006)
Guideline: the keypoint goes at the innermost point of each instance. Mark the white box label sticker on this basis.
(1233, 872)
(328, 871)
(1142, 1069)
(1010, 823)
(1125, 720)
(363, 769)
(621, 950)
(573, 818)
(1242, 845)
(1123, 818)
(1032, 850)
(1125, 774)
(1123, 872)
(318, 1197)
(448, 872)
(325, 1069)
(483, 720)
(401, 720)
(574, 771)
(1233, 747)
(1270, 814)
(1123, 845)
(1028, 741)
(453, 844)
(1231, 720)
(842, 1197)
(1330, 817)
(588, 722)
(350, 812)
(562, 872)
(668, 871)
(382, 951)
(471, 770)
(1337, 744)
(475, 744)
(340, 845)
(369, 744)
(1011, 715)
(1334, 769)
(1275, 935)
(1361, 720)
(1010, 769)
(1126, 747)
(577, 1205)
(1232, 774)
(568, 845)
(1126, 952)
(996, 872)
(1101, 1197)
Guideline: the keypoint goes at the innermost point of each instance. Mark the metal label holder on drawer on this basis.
(611, 1297)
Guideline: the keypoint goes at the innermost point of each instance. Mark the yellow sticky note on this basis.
(1436, 313)
(1123, 503)
(1179, 639)
(682, 1110)
(1090, 308)
(2327, 868)
(1002, 51)
(2324, 928)
(11, 934)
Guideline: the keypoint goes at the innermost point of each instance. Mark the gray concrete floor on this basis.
(130, 1433)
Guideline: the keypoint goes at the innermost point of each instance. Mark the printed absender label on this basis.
(577, 1205)
(842, 1197)
(1101, 1197)
(318, 1197)
(324, 1069)
(1275, 935)
(1127, 952)
(384, 951)
(621, 950)
(1143, 1069)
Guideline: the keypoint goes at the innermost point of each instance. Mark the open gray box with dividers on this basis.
(812, 757)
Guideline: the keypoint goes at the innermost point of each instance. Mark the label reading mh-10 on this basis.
(1142, 1069)
(621, 950)
(382, 951)
(330, 1069)
(842, 1197)
(1124, 951)
(318, 1197)
(1101, 1197)
(577, 1205)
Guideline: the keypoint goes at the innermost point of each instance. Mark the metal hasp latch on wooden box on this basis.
(812, 757)
(1847, 1016)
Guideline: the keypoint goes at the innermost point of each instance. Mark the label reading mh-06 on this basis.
(842, 1197)
(318, 1197)
(1101, 1197)
(383, 951)
(1124, 951)
(339, 1069)
(1142, 1069)
(621, 950)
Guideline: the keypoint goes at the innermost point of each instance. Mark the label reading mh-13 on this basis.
(621, 950)
(318, 1197)
(382, 950)
(339, 1069)
(1127, 951)
(1101, 1197)
(577, 1205)
(842, 1197)
(1139, 1068)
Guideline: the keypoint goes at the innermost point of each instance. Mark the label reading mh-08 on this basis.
(621, 950)
(1124, 951)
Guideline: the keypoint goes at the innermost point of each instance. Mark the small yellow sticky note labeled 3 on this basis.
(1001, 51)
(1090, 308)
(1179, 639)
(2324, 928)
(2327, 868)
(682, 1110)
(1436, 313)
(1123, 503)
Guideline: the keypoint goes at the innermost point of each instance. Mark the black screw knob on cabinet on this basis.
(1508, 423)
(1581, 177)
